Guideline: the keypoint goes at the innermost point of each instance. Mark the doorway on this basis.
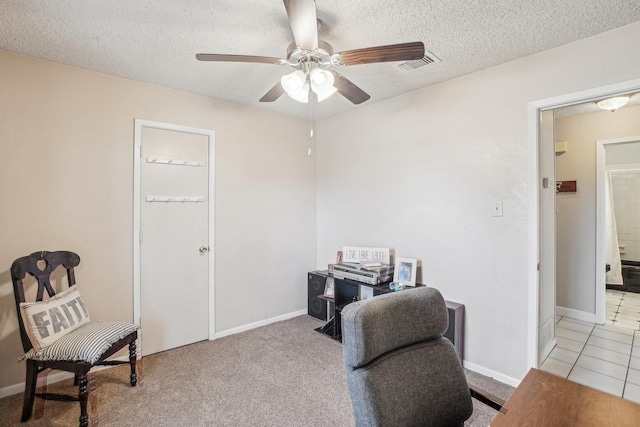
(538, 234)
(581, 218)
(616, 158)
(173, 235)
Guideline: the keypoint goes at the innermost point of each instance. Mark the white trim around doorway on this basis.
(533, 114)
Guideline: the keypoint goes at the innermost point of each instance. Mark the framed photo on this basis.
(405, 271)
(328, 288)
(339, 257)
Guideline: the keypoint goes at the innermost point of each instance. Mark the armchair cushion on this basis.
(86, 344)
(47, 321)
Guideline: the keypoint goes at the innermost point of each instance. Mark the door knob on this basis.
(204, 249)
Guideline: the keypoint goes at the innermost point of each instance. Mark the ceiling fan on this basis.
(312, 57)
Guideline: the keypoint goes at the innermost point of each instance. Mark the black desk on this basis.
(345, 292)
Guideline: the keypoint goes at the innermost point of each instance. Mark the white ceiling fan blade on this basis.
(304, 24)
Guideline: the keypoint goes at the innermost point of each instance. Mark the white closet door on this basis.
(174, 248)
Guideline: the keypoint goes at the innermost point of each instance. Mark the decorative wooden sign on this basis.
(566, 186)
(357, 254)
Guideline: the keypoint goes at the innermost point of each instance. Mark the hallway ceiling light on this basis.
(612, 104)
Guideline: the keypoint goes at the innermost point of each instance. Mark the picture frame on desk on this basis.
(405, 271)
(338, 261)
(329, 288)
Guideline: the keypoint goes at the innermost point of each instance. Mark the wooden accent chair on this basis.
(400, 370)
(57, 333)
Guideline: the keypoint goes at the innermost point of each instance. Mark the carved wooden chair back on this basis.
(39, 265)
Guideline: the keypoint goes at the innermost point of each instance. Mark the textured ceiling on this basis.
(156, 41)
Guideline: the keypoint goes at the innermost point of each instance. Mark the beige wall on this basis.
(428, 167)
(576, 212)
(66, 182)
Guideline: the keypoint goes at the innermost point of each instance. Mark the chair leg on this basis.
(83, 396)
(132, 361)
(139, 368)
(41, 388)
(93, 399)
(29, 389)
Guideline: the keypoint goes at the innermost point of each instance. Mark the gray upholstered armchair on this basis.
(400, 370)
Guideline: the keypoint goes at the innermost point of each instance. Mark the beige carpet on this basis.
(283, 374)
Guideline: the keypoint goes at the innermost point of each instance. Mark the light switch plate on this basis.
(497, 208)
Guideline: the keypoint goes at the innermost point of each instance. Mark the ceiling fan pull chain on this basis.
(311, 102)
(312, 98)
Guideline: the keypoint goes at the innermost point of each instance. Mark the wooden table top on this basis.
(543, 399)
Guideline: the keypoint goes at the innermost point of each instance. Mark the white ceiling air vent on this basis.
(429, 58)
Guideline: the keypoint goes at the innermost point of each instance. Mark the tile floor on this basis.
(605, 357)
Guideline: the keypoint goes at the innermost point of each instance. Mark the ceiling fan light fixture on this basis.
(296, 86)
(322, 83)
(612, 104)
(302, 94)
(320, 77)
(294, 81)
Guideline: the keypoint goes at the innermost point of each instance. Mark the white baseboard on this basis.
(576, 314)
(287, 316)
(19, 388)
(490, 373)
(259, 324)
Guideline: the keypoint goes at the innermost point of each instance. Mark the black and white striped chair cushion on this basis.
(87, 343)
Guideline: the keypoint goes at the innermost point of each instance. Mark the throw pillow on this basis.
(48, 321)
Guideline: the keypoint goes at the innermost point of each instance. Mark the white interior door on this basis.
(174, 238)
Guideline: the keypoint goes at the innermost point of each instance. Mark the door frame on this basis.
(139, 124)
(601, 174)
(533, 112)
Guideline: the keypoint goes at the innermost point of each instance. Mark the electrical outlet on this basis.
(497, 208)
